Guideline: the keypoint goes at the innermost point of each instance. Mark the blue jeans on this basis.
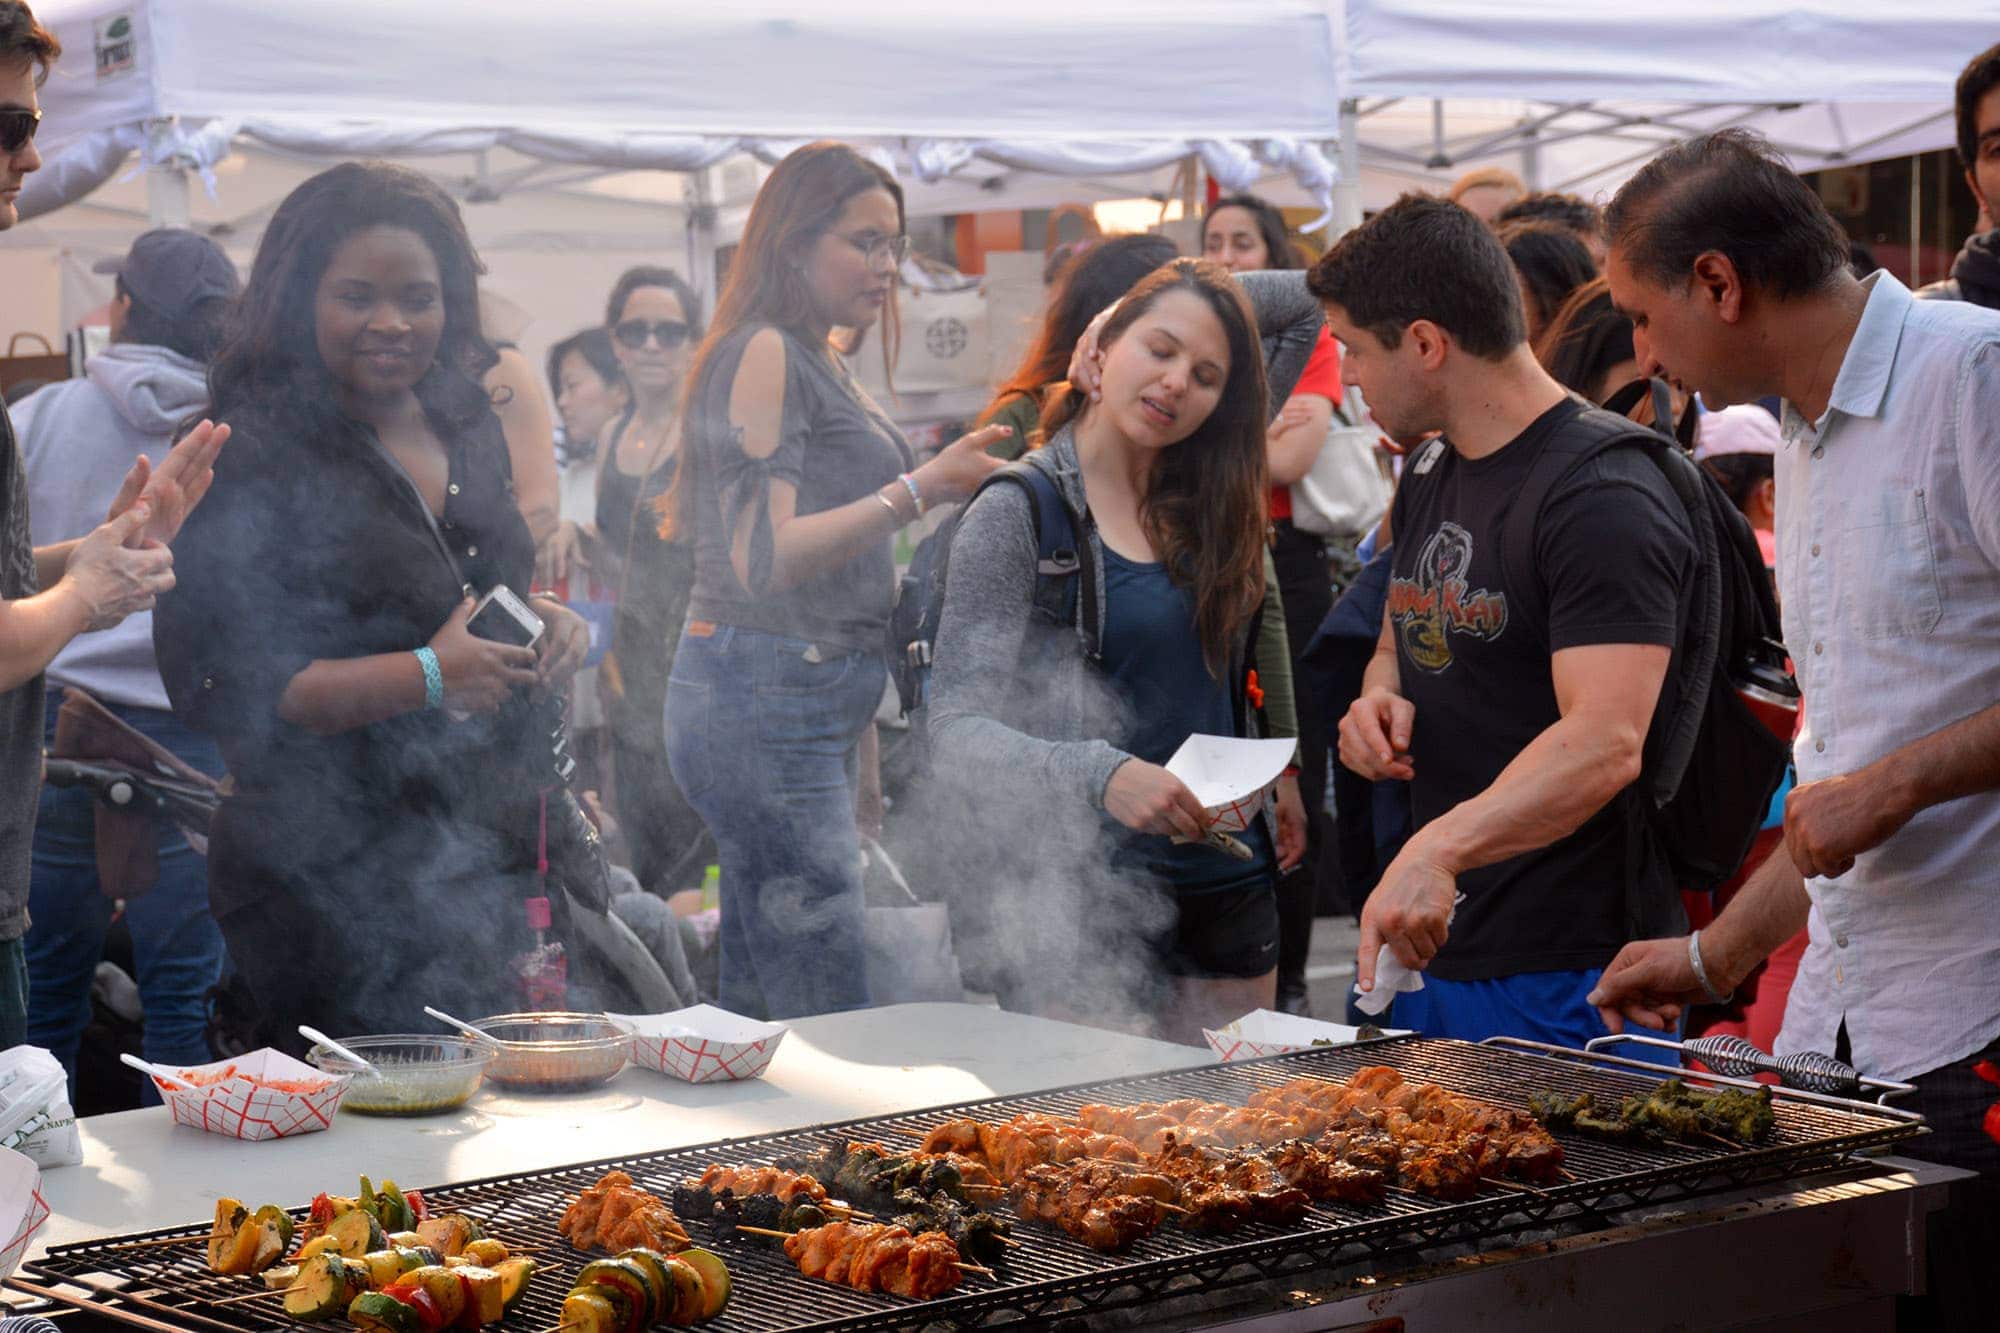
(1540, 1006)
(177, 948)
(763, 734)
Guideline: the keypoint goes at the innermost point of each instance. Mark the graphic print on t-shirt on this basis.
(1437, 602)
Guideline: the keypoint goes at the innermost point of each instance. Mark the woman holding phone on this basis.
(379, 838)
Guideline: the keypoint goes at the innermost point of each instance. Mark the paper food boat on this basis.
(1265, 1032)
(22, 1208)
(702, 1044)
(244, 1108)
(1230, 776)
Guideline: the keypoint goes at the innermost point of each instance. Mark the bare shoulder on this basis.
(757, 393)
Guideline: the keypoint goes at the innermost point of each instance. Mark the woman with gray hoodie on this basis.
(1114, 902)
(79, 440)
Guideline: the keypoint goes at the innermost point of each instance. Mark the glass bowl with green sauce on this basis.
(416, 1075)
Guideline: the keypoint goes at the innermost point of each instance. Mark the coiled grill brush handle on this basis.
(1810, 1070)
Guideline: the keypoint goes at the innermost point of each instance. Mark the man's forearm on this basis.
(1559, 780)
(1963, 759)
(34, 629)
(1382, 673)
(52, 561)
(1769, 909)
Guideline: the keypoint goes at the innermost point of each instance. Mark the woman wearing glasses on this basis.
(654, 318)
(793, 482)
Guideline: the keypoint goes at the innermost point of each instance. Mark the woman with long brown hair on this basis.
(792, 482)
(1130, 915)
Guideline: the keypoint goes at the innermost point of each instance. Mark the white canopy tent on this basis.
(1574, 94)
(584, 138)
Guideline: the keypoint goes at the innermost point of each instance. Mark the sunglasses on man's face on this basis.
(17, 126)
(669, 333)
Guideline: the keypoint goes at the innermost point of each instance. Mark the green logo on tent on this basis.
(120, 27)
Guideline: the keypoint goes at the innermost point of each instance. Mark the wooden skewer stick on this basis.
(1172, 1208)
(1515, 1185)
(766, 1231)
(1568, 1174)
(1730, 1144)
(975, 1268)
(1008, 1241)
(170, 1240)
(564, 1328)
(253, 1296)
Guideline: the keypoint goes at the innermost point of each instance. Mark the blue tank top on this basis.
(1152, 656)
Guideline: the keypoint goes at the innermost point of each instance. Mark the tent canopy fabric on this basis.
(1112, 87)
(1443, 86)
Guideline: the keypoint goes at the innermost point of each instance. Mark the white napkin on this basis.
(1392, 978)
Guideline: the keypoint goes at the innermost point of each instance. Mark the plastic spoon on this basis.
(314, 1034)
(155, 1071)
(463, 1026)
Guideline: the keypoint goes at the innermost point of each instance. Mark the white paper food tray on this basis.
(242, 1108)
(1267, 1032)
(702, 1044)
(1230, 776)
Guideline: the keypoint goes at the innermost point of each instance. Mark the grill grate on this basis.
(1053, 1273)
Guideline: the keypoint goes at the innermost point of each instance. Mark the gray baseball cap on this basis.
(172, 271)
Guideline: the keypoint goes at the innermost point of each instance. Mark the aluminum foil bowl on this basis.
(419, 1075)
(555, 1052)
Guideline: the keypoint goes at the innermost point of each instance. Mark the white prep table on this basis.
(141, 1171)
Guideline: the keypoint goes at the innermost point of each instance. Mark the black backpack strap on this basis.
(1673, 739)
(1065, 574)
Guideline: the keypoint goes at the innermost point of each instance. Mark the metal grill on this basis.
(1053, 1274)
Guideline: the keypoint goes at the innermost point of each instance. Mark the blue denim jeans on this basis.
(176, 945)
(763, 734)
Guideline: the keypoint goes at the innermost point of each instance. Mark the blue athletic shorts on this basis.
(1541, 1006)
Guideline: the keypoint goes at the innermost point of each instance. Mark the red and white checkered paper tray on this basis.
(1267, 1032)
(702, 1044)
(22, 1208)
(243, 1107)
(1230, 777)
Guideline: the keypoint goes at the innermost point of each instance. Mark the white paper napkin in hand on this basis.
(1391, 977)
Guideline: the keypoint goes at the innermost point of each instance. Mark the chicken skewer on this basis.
(614, 1214)
(876, 1257)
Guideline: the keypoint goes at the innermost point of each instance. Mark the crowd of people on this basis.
(364, 606)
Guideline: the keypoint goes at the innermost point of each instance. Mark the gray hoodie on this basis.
(78, 439)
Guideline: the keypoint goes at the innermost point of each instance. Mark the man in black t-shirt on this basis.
(1514, 695)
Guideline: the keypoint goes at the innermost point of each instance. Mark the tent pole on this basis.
(701, 214)
(1531, 153)
(167, 200)
(1347, 185)
(1916, 218)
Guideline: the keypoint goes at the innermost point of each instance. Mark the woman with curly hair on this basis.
(380, 835)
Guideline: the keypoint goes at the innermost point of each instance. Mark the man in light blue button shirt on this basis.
(1888, 525)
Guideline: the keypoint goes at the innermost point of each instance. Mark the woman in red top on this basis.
(1245, 233)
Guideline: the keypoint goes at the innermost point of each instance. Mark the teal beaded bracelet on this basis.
(433, 678)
